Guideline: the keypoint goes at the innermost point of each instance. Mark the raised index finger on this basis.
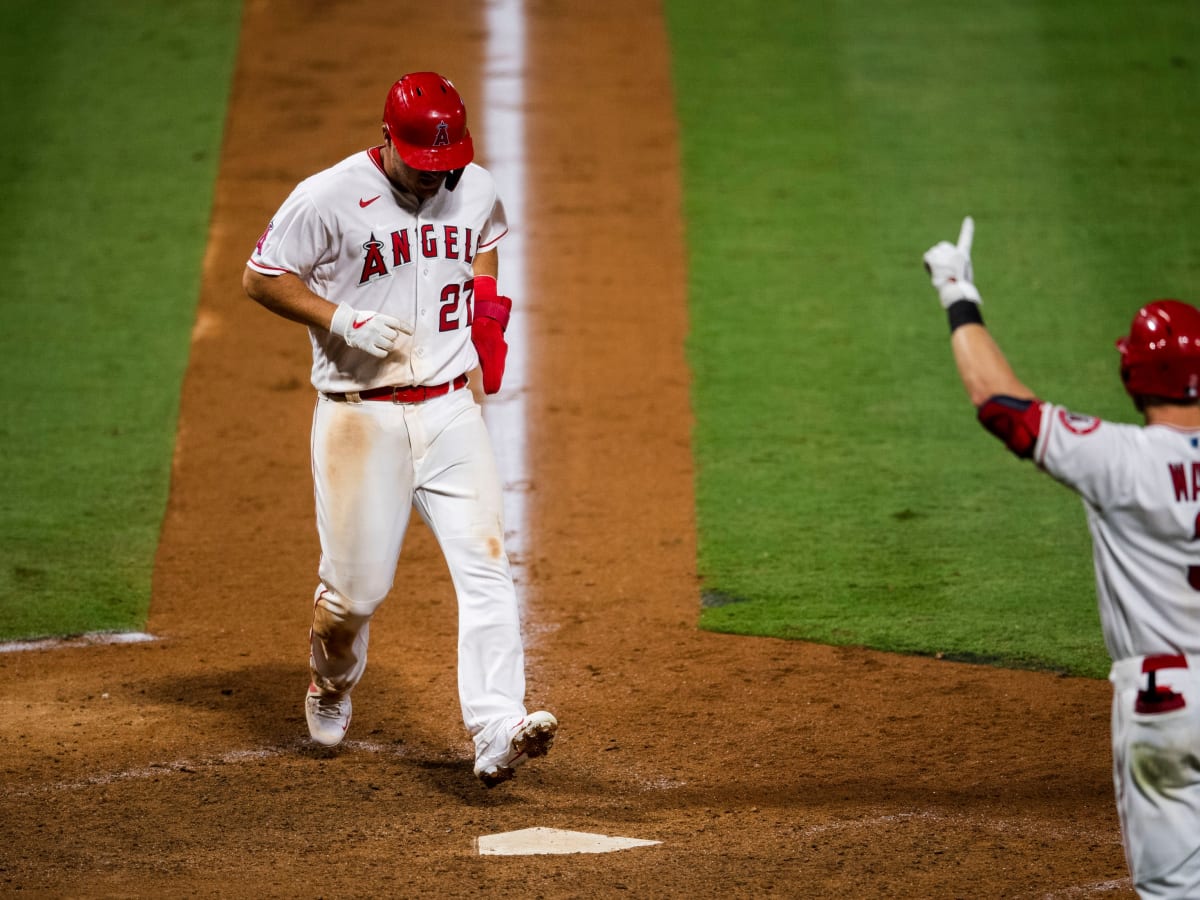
(966, 235)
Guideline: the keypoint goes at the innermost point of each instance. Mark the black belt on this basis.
(414, 393)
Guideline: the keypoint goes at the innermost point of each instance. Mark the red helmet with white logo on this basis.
(427, 123)
(1160, 356)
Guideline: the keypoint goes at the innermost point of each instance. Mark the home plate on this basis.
(531, 841)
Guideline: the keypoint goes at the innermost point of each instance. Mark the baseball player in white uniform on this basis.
(1141, 490)
(390, 259)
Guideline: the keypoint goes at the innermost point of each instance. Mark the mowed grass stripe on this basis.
(845, 493)
(116, 112)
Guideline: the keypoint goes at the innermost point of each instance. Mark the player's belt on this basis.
(415, 393)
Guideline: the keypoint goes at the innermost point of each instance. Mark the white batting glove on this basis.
(949, 267)
(371, 332)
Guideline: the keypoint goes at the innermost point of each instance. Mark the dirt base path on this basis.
(764, 768)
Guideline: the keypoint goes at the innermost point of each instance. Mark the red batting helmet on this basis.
(1160, 356)
(427, 123)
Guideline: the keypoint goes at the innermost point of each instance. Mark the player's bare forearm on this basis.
(984, 370)
(288, 296)
(486, 263)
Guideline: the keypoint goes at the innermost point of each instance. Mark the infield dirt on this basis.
(764, 767)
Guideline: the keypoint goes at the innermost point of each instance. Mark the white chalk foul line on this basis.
(79, 640)
(191, 767)
(957, 819)
(1099, 887)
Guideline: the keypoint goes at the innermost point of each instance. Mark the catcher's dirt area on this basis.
(763, 768)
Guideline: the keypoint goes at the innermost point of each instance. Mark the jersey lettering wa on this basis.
(1141, 490)
(352, 238)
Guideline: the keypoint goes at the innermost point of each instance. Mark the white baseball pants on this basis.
(1156, 771)
(373, 461)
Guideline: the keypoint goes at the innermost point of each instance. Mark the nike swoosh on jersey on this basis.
(365, 203)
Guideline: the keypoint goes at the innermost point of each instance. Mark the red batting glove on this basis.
(487, 331)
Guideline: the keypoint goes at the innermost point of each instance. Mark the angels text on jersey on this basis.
(430, 241)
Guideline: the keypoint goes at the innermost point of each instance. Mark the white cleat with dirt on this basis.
(523, 739)
(328, 717)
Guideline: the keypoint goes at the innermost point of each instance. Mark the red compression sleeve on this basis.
(1016, 422)
(487, 304)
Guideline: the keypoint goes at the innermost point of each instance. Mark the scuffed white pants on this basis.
(372, 463)
(1156, 771)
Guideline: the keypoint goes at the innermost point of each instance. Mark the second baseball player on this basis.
(1141, 491)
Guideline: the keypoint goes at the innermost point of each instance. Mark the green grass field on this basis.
(845, 493)
(115, 113)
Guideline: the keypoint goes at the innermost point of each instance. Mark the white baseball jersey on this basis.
(353, 238)
(1141, 489)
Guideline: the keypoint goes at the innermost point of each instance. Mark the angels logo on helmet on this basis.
(426, 120)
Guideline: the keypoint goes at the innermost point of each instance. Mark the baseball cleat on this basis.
(328, 717)
(530, 736)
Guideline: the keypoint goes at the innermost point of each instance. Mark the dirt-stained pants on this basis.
(373, 461)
